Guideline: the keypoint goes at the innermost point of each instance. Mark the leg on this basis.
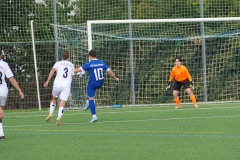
(91, 97)
(176, 88)
(86, 105)
(192, 97)
(53, 104)
(176, 99)
(3, 101)
(51, 109)
(87, 101)
(55, 94)
(2, 137)
(60, 111)
(63, 101)
(1, 113)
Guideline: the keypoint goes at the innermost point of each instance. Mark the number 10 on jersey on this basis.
(98, 72)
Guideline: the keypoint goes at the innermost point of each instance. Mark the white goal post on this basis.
(35, 65)
(201, 37)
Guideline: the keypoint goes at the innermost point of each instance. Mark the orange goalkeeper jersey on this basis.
(180, 74)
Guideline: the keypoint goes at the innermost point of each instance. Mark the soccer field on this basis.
(211, 132)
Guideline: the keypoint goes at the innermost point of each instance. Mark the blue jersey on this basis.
(96, 69)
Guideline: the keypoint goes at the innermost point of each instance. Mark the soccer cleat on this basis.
(2, 138)
(58, 121)
(49, 118)
(94, 120)
(86, 105)
(196, 106)
(177, 107)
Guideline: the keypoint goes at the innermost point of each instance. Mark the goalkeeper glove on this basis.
(191, 85)
(168, 85)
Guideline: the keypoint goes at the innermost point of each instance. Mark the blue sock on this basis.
(92, 106)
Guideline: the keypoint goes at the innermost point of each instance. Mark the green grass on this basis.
(211, 132)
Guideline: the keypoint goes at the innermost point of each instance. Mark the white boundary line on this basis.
(150, 109)
(125, 121)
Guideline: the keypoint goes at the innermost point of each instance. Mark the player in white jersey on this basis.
(5, 71)
(61, 85)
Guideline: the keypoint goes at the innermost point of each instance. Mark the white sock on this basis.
(1, 129)
(60, 112)
(52, 107)
(94, 116)
(87, 103)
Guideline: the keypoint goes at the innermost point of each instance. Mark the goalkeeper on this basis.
(182, 78)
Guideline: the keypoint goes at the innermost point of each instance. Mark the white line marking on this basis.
(126, 121)
(118, 112)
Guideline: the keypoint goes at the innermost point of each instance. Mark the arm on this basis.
(170, 79)
(80, 72)
(15, 84)
(110, 72)
(49, 77)
(189, 78)
(73, 73)
(80, 69)
(77, 70)
(188, 75)
(171, 76)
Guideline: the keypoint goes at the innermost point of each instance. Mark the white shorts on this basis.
(61, 92)
(3, 101)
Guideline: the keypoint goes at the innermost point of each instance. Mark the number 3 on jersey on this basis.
(66, 73)
(98, 73)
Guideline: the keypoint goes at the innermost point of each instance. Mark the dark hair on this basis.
(180, 59)
(65, 55)
(92, 53)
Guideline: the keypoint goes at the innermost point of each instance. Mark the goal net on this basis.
(142, 52)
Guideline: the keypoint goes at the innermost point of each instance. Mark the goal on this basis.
(142, 52)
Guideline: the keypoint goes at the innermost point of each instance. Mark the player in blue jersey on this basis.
(96, 69)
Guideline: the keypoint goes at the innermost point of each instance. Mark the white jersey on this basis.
(5, 71)
(65, 71)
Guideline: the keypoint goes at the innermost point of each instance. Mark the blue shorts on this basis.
(91, 90)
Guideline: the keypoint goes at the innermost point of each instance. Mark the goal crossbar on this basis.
(163, 20)
(130, 21)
